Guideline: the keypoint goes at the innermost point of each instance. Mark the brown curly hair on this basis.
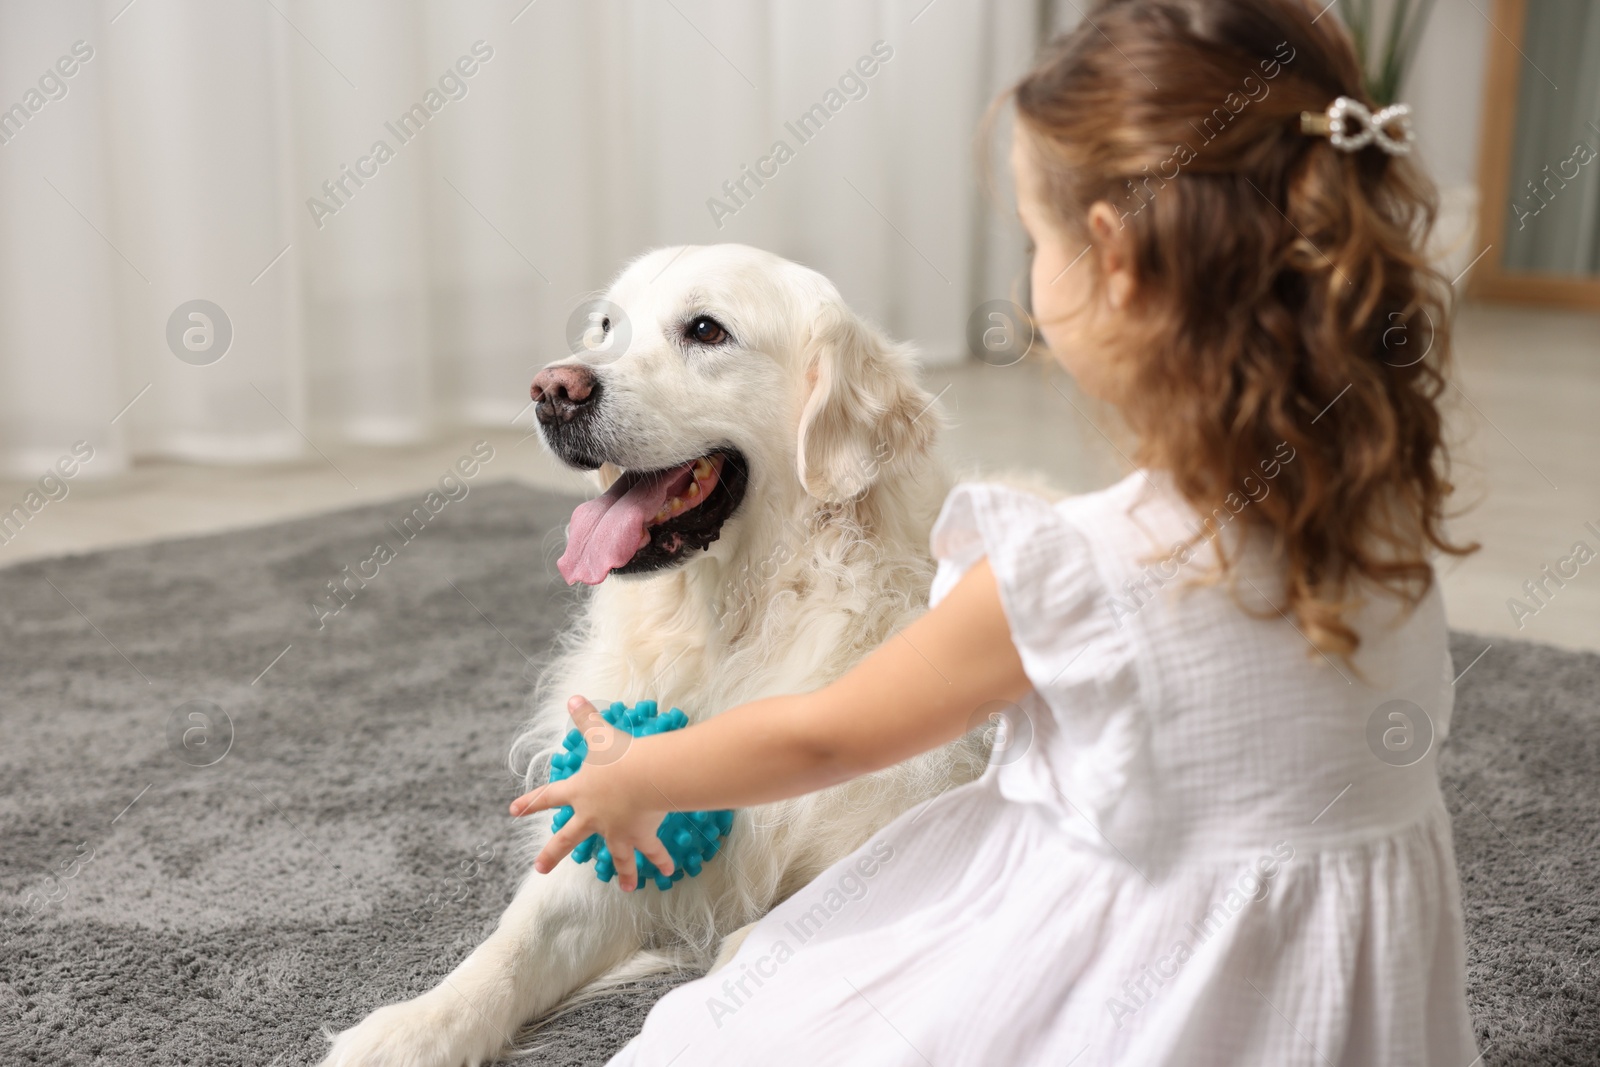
(1282, 293)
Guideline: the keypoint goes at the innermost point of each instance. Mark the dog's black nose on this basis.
(560, 393)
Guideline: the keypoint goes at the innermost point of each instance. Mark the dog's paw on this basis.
(415, 1033)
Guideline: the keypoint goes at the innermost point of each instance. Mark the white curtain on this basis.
(162, 152)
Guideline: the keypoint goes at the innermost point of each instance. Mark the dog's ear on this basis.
(864, 411)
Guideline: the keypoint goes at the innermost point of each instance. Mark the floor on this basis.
(1525, 413)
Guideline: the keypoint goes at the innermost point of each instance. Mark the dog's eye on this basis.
(705, 330)
(605, 324)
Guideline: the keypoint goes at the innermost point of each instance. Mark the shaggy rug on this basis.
(235, 807)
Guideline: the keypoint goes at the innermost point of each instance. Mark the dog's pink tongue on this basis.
(604, 532)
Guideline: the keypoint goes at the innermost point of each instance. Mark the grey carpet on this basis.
(329, 862)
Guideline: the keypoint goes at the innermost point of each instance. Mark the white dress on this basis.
(1197, 842)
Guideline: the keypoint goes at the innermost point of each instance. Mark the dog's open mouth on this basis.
(653, 519)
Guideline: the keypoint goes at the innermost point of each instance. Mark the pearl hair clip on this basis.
(1350, 126)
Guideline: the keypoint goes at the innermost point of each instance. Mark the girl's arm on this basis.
(915, 692)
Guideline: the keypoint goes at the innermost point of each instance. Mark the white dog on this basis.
(770, 493)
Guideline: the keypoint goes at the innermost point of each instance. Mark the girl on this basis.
(1212, 830)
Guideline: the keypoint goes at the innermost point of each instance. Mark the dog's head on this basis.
(715, 380)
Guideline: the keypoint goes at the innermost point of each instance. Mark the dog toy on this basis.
(692, 838)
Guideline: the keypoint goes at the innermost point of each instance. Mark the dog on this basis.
(769, 486)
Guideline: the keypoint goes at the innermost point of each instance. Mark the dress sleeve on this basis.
(1042, 565)
(1085, 716)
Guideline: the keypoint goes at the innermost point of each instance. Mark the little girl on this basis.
(1212, 830)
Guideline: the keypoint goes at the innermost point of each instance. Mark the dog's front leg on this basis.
(562, 930)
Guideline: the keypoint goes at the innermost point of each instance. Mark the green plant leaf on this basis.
(1386, 59)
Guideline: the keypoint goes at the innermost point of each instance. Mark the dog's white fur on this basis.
(826, 557)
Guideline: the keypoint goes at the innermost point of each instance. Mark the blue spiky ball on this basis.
(691, 837)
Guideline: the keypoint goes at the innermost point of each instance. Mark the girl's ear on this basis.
(1110, 237)
(865, 409)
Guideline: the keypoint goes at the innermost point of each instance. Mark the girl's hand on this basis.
(605, 799)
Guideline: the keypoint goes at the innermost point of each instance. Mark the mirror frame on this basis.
(1490, 279)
